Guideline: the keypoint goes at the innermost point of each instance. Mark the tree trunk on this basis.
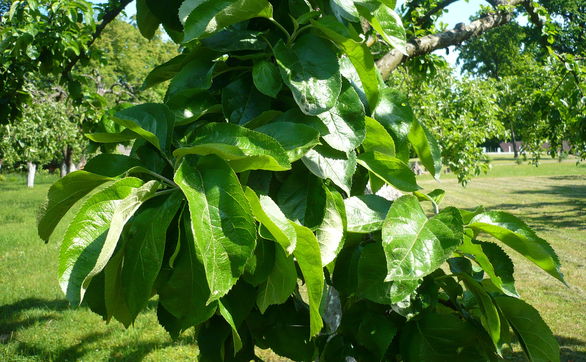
(30, 179)
(514, 140)
(67, 166)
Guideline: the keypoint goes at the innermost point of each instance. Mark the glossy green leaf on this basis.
(221, 220)
(414, 245)
(310, 69)
(184, 295)
(387, 23)
(144, 248)
(267, 212)
(260, 265)
(194, 77)
(357, 52)
(517, 235)
(327, 163)
(242, 102)
(92, 236)
(345, 121)
(366, 213)
(489, 314)
(62, 195)
(390, 169)
(232, 39)
(209, 16)
(377, 138)
(302, 198)
(308, 257)
(266, 78)
(439, 338)
(280, 283)
(111, 165)
(154, 122)
(372, 272)
(426, 147)
(536, 338)
(105, 137)
(330, 233)
(242, 148)
(395, 114)
(167, 70)
(296, 138)
(495, 263)
(147, 22)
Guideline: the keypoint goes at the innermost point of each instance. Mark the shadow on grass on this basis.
(9, 314)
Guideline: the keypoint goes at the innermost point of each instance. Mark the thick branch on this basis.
(456, 36)
(109, 16)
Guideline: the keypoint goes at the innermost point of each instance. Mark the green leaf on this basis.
(387, 23)
(105, 137)
(330, 233)
(231, 39)
(372, 272)
(377, 138)
(266, 78)
(153, 122)
(260, 265)
(280, 283)
(302, 198)
(390, 169)
(92, 236)
(168, 70)
(242, 102)
(490, 317)
(184, 295)
(536, 338)
(194, 77)
(395, 114)
(439, 338)
(414, 245)
(426, 147)
(267, 212)
(111, 165)
(235, 307)
(310, 69)
(144, 248)
(366, 213)
(376, 332)
(221, 221)
(308, 257)
(244, 149)
(357, 52)
(147, 22)
(517, 235)
(296, 138)
(209, 16)
(495, 263)
(62, 195)
(345, 121)
(327, 163)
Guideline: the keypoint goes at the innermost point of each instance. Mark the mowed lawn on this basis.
(36, 322)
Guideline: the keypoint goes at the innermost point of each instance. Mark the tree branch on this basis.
(422, 20)
(456, 36)
(109, 16)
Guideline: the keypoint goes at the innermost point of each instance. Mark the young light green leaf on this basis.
(327, 163)
(93, 233)
(535, 336)
(266, 78)
(61, 197)
(387, 23)
(144, 249)
(414, 245)
(267, 212)
(310, 69)
(296, 138)
(345, 121)
(308, 257)
(390, 169)
(426, 147)
(221, 220)
(244, 149)
(209, 16)
(153, 122)
(280, 284)
(517, 235)
(377, 138)
(330, 233)
(495, 263)
(366, 213)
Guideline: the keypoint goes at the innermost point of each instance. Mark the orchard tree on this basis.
(242, 204)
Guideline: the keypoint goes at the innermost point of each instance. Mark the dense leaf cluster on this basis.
(242, 204)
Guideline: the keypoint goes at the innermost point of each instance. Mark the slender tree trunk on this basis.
(67, 166)
(514, 140)
(30, 179)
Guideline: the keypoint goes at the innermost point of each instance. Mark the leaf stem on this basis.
(278, 25)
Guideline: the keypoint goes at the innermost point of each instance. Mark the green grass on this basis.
(36, 324)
